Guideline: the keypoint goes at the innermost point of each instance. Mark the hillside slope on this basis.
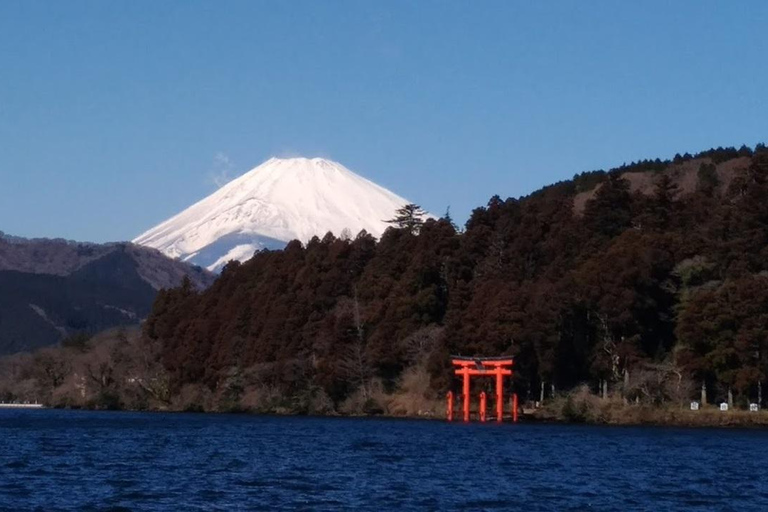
(50, 289)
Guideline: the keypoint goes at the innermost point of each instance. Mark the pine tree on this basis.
(409, 218)
(609, 212)
(664, 204)
(447, 218)
(708, 180)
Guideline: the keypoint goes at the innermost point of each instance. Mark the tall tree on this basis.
(409, 218)
(610, 211)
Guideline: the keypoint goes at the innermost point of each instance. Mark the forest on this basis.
(648, 281)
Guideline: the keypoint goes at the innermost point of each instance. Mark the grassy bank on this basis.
(581, 406)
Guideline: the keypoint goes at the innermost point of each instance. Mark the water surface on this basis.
(73, 460)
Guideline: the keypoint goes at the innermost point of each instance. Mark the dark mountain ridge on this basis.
(50, 289)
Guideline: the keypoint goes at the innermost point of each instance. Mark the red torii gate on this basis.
(468, 367)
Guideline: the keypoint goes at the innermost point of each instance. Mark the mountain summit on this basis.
(278, 201)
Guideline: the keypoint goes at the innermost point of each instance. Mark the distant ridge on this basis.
(50, 289)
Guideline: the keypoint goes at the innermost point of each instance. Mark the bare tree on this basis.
(421, 343)
(51, 367)
(354, 362)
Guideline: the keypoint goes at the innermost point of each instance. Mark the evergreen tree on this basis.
(708, 180)
(663, 204)
(447, 218)
(408, 218)
(609, 212)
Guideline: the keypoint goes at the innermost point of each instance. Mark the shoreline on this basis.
(627, 416)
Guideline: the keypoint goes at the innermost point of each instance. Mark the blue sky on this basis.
(116, 115)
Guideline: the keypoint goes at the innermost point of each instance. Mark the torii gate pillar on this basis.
(498, 367)
(499, 397)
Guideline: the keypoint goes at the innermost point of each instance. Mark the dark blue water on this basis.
(62, 460)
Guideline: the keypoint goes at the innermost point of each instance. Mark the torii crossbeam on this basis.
(498, 367)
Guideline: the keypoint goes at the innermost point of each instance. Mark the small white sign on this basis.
(694, 406)
(723, 406)
(754, 407)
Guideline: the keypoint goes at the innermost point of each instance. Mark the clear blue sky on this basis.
(115, 115)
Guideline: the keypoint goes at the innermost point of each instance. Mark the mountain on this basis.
(50, 289)
(278, 201)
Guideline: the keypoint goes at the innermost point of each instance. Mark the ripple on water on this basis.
(366, 444)
(17, 464)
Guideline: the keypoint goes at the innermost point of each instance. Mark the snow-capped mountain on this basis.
(278, 201)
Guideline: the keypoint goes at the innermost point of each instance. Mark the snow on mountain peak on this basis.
(280, 200)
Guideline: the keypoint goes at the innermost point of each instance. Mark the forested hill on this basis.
(658, 265)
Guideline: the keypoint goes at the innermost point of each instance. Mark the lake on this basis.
(75, 460)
